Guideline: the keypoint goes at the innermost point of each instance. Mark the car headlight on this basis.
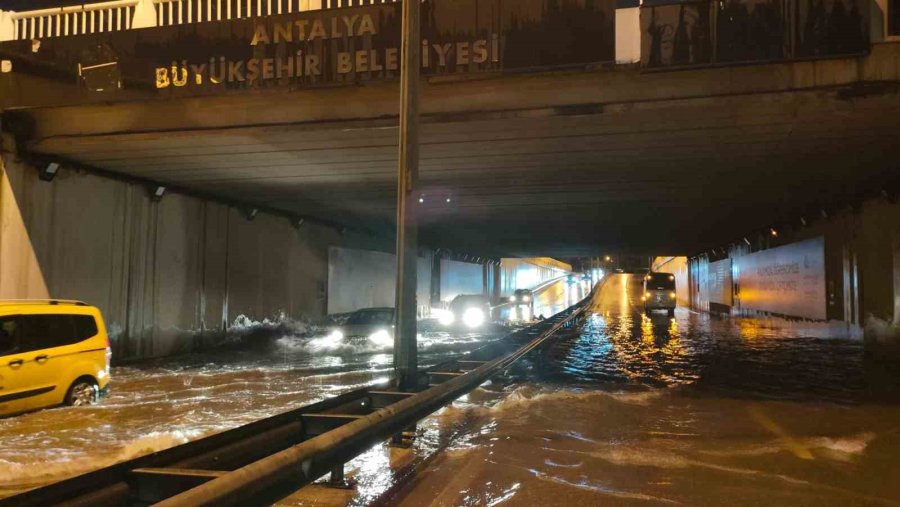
(381, 338)
(512, 299)
(336, 335)
(444, 317)
(526, 298)
(473, 317)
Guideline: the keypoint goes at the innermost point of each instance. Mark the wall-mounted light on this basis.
(448, 199)
(421, 199)
(747, 241)
(49, 171)
(158, 193)
(773, 232)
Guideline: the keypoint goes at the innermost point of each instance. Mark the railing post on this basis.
(144, 15)
(7, 26)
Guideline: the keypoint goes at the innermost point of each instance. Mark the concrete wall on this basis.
(169, 276)
(528, 273)
(862, 265)
(365, 278)
(459, 277)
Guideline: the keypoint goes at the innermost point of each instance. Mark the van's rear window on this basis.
(665, 280)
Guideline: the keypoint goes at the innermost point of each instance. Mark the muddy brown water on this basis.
(694, 410)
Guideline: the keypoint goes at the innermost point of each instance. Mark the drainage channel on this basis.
(264, 461)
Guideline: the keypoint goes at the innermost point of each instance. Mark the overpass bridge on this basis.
(548, 131)
(218, 162)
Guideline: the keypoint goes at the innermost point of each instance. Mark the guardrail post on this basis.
(336, 477)
(7, 26)
(403, 439)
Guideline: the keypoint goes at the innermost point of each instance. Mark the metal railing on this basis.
(121, 15)
(266, 460)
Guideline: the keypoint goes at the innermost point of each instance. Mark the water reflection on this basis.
(172, 401)
(692, 410)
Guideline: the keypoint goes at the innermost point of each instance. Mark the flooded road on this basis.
(167, 402)
(695, 410)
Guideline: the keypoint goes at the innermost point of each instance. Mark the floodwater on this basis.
(164, 403)
(695, 410)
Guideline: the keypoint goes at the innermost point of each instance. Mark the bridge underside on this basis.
(675, 174)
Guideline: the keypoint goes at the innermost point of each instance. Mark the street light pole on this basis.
(405, 360)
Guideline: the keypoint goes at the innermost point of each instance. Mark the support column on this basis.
(7, 26)
(436, 280)
(144, 14)
(405, 360)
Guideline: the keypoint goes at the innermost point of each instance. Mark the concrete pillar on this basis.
(436, 281)
(144, 15)
(7, 26)
(628, 31)
(498, 282)
(896, 262)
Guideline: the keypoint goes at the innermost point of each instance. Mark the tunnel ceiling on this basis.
(671, 178)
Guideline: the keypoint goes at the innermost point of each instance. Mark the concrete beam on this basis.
(469, 97)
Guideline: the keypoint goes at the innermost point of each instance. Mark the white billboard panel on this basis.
(788, 280)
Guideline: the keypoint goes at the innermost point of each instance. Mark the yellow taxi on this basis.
(52, 352)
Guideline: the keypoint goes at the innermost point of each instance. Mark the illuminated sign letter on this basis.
(317, 30)
(366, 26)
(162, 77)
(260, 35)
(344, 63)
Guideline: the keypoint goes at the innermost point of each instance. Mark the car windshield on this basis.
(367, 317)
(661, 280)
(469, 301)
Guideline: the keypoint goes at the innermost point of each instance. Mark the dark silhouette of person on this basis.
(681, 44)
(656, 34)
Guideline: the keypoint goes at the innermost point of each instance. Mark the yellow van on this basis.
(52, 352)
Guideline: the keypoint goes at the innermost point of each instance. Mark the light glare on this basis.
(473, 317)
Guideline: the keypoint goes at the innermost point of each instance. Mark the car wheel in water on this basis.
(83, 392)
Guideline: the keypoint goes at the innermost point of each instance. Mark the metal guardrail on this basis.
(264, 461)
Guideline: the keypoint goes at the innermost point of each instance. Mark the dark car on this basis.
(472, 311)
(521, 305)
(373, 324)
